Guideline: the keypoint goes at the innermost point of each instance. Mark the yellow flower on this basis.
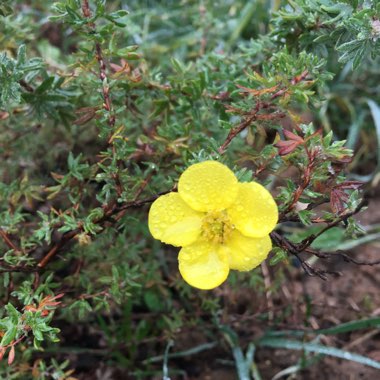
(221, 224)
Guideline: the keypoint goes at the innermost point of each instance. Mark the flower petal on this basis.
(173, 222)
(203, 265)
(208, 186)
(254, 212)
(246, 253)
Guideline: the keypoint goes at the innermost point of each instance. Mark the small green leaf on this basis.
(153, 301)
(279, 255)
(9, 336)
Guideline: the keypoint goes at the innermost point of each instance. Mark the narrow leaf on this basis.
(319, 349)
(292, 136)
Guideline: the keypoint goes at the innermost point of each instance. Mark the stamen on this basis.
(216, 227)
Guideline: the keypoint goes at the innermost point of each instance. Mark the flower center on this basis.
(216, 227)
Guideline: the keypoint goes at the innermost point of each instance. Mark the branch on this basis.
(8, 241)
(253, 115)
(296, 249)
(306, 178)
(342, 218)
(112, 215)
(26, 85)
(235, 131)
(107, 105)
(22, 269)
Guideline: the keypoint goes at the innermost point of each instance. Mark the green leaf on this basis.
(279, 255)
(178, 66)
(375, 112)
(45, 85)
(9, 336)
(38, 334)
(329, 240)
(305, 217)
(318, 349)
(5, 9)
(14, 314)
(351, 326)
(342, 328)
(153, 301)
(118, 14)
(350, 244)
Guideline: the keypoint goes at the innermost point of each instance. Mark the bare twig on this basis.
(55, 248)
(295, 250)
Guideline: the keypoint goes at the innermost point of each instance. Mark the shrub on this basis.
(105, 104)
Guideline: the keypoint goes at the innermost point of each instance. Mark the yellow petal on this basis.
(208, 186)
(172, 221)
(203, 265)
(246, 253)
(254, 212)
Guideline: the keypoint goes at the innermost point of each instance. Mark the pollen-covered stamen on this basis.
(216, 227)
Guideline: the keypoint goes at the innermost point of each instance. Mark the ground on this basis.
(353, 295)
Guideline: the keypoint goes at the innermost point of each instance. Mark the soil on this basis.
(353, 295)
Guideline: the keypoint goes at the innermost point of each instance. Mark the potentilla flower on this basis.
(220, 223)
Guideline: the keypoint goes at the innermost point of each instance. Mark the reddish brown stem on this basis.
(243, 125)
(26, 85)
(54, 250)
(253, 114)
(306, 178)
(296, 249)
(110, 213)
(8, 241)
(107, 105)
(309, 240)
(86, 9)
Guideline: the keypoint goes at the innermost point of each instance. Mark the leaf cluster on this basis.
(102, 108)
(351, 28)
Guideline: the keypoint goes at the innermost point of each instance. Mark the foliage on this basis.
(352, 28)
(104, 104)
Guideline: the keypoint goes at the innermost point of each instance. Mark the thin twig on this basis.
(109, 217)
(8, 241)
(54, 250)
(295, 250)
(268, 291)
(107, 105)
(253, 115)
(236, 130)
(342, 218)
(26, 85)
(23, 269)
(306, 178)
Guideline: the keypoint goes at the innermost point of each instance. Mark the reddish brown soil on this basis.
(353, 295)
